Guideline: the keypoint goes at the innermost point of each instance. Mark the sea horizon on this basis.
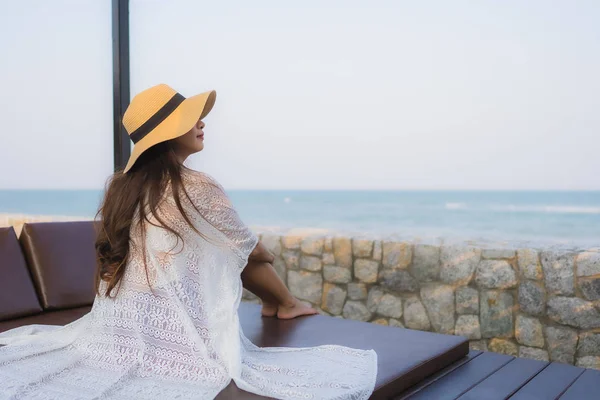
(550, 217)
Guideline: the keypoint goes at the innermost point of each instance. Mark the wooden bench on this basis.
(492, 376)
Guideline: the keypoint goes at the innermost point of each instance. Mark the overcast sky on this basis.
(316, 95)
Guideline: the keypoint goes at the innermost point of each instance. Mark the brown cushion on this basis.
(60, 317)
(62, 260)
(17, 293)
(404, 356)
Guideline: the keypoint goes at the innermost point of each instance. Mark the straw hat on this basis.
(159, 114)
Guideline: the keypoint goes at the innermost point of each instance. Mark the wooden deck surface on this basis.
(492, 376)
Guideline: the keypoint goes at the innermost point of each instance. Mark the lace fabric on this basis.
(174, 333)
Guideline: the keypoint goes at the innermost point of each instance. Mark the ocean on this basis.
(510, 217)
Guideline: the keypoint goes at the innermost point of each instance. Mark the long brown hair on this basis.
(144, 186)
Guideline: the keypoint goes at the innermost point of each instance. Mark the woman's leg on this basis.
(261, 279)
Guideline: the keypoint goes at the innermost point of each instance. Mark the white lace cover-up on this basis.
(174, 333)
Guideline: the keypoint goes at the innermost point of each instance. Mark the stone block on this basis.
(291, 259)
(374, 297)
(335, 274)
(377, 250)
(498, 254)
(312, 246)
(503, 346)
(426, 263)
(467, 300)
(561, 344)
(398, 281)
(496, 314)
(396, 255)
(366, 270)
(589, 344)
(468, 326)
(357, 291)
(439, 302)
(390, 306)
(532, 298)
(588, 362)
(573, 311)
(291, 242)
(458, 264)
(533, 353)
(495, 274)
(529, 331)
(588, 263)
(415, 316)
(328, 259)
(529, 264)
(306, 285)
(342, 251)
(333, 298)
(362, 248)
(558, 272)
(590, 287)
(310, 263)
(356, 310)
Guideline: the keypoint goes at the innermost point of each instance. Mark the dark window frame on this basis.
(121, 93)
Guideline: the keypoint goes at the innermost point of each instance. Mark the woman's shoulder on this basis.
(199, 177)
(200, 184)
(204, 190)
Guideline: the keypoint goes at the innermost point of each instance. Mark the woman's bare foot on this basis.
(295, 309)
(269, 309)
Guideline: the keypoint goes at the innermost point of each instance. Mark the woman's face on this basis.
(190, 143)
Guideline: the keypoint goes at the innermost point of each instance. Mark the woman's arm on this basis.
(261, 254)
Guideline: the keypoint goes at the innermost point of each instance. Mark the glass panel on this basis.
(55, 106)
(443, 105)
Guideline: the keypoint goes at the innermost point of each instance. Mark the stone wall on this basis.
(541, 304)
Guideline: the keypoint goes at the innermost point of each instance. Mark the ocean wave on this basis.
(456, 206)
(547, 209)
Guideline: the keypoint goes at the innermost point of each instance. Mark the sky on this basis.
(342, 94)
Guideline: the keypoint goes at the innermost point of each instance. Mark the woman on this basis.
(173, 257)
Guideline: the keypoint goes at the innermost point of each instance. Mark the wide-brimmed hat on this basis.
(159, 114)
